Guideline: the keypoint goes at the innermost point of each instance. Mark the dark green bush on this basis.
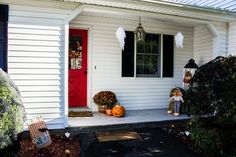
(11, 111)
(212, 92)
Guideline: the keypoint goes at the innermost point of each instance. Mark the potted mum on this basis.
(104, 100)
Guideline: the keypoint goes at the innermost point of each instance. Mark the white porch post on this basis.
(67, 20)
(232, 39)
(66, 53)
(215, 40)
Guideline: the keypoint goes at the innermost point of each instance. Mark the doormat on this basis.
(80, 114)
(117, 136)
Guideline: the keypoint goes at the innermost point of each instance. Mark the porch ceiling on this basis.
(133, 16)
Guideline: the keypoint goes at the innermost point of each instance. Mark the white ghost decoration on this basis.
(120, 35)
(179, 40)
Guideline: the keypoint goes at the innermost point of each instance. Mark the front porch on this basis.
(132, 117)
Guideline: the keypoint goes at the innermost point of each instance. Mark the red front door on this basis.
(78, 67)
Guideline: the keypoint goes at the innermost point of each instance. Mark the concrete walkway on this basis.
(131, 117)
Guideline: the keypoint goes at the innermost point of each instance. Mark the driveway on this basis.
(154, 142)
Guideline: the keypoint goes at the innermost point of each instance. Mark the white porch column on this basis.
(215, 40)
(232, 38)
(67, 20)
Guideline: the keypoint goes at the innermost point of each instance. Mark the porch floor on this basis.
(131, 117)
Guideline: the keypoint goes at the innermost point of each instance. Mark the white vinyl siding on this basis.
(222, 41)
(206, 47)
(133, 93)
(36, 61)
(232, 38)
(202, 45)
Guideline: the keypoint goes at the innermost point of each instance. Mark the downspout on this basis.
(67, 20)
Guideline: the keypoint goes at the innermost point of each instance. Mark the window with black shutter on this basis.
(3, 36)
(148, 56)
(168, 55)
(128, 56)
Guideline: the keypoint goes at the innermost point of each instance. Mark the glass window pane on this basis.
(146, 69)
(140, 47)
(154, 69)
(146, 59)
(148, 48)
(140, 69)
(154, 59)
(139, 59)
(155, 44)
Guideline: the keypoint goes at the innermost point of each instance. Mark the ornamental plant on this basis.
(212, 92)
(107, 98)
(11, 111)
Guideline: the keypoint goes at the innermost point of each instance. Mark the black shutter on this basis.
(128, 56)
(168, 55)
(3, 36)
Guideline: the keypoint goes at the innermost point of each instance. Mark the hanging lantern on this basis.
(189, 70)
(139, 32)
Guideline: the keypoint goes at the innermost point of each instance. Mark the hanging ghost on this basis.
(120, 35)
(179, 40)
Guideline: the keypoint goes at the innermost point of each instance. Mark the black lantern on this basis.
(191, 64)
(189, 71)
(140, 33)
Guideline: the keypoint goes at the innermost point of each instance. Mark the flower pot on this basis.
(102, 109)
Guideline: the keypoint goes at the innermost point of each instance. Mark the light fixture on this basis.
(191, 64)
(188, 72)
(139, 32)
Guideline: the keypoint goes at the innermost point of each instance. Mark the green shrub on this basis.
(212, 92)
(11, 111)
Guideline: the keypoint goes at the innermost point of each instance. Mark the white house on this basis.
(39, 38)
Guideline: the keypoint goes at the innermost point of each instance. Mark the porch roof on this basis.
(226, 5)
(178, 8)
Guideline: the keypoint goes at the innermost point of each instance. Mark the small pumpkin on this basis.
(109, 112)
(118, 111)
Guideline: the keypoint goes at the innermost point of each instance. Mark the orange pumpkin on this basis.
(118, 111)
(109, 112)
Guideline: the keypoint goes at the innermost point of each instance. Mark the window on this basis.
(3, 36)
(148, 56)
(152, 58)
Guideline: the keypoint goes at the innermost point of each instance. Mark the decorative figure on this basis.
(187, 79)
(179, 40)
(120, 35)
(177, 99)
